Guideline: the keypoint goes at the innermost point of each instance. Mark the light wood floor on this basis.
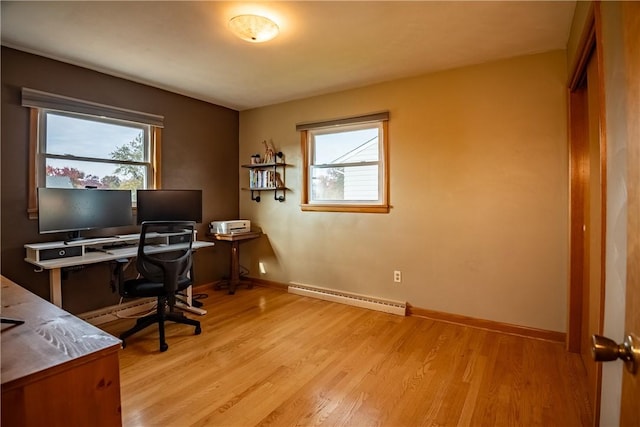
(266, 357)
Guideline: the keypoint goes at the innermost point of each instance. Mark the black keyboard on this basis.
(118, 245)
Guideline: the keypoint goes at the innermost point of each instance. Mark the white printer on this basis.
(230, 227)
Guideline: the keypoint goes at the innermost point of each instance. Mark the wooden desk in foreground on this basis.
(57, 370)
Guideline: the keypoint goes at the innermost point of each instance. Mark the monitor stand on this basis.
(73, 236)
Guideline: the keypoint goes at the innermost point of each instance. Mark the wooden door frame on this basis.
(590, 42)
(629, 410)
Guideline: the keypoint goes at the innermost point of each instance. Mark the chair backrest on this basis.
(154, 263)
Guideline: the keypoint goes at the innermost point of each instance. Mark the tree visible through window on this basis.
(75, 143)
(81, 151)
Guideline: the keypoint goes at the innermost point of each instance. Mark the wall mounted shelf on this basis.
(267, 177)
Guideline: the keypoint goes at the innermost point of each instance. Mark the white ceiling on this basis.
(323, 46)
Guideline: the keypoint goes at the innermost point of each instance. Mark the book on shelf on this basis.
(264, 179)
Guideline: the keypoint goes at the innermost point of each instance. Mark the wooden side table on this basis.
(235, 239)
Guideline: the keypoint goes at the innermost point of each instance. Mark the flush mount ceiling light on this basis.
(253, 28)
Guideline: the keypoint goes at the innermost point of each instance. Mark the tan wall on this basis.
(478, 187)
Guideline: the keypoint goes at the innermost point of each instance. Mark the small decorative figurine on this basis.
(269, 152)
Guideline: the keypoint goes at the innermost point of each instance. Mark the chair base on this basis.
(160, 317)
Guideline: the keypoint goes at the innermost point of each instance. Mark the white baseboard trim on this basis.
(349, 298)
(111, 313)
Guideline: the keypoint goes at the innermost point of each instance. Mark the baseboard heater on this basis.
(114, 312)
(357, 300)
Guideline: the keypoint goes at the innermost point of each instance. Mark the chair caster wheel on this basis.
(164, 347)
(198, 330)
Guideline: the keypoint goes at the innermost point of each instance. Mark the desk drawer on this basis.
(57, 253)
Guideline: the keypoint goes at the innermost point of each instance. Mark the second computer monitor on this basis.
(169, 205)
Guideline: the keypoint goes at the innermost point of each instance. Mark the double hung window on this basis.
(80, 144)
(79, 151)
(345, 167)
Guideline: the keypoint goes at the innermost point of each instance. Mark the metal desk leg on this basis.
(187, 306)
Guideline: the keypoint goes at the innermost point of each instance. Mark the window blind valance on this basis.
(39, 99)
(376, 117)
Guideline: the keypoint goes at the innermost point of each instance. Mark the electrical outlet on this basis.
(397, 276)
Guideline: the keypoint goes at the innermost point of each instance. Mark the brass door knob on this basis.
(604, 349)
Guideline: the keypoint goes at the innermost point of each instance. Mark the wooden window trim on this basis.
(33, 163)
(34, 169)
(383, 207)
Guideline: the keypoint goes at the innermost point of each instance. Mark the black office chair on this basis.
(163, 274)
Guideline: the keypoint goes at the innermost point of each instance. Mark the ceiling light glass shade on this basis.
(253, 28)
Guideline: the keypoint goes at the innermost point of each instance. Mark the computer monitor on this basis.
(169, 205)
(73, 210)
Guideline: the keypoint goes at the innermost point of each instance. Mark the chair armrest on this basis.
(117, 275)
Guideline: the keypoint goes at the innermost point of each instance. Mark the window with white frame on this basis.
(345, 166)
(79, 144)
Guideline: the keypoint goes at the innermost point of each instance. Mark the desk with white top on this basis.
(54, 256)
